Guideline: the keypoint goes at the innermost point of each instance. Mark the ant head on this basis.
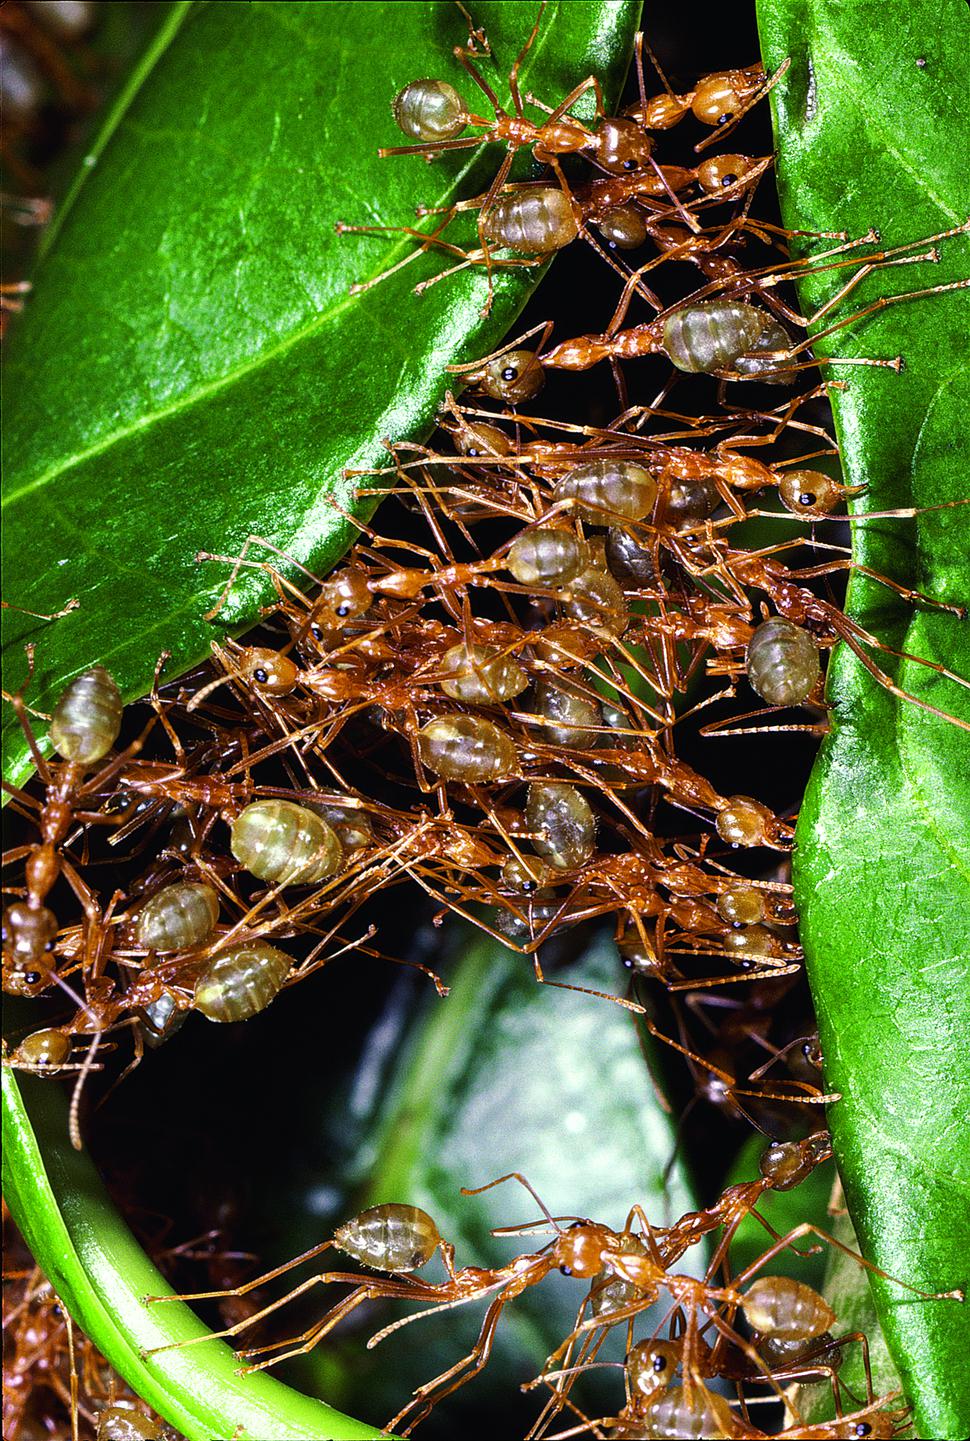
(579, 1251)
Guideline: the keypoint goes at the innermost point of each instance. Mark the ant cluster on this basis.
(55, 1382)
(491, 708)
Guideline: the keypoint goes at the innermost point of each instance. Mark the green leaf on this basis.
(102, 1275)
(507, 1075)
(191, 368)
(869, 128)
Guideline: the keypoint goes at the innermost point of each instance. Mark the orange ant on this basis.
(722, 336)
(400, 1239)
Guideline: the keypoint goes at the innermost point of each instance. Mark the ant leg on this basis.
(476, 34)
(309, 1338)
(847, 635)
(247, 1286)
(633, 1006)
(807, 1228)
(914, 596)
(520, 59)
(474, 257)
(545, 327)
(488, 205)
(16, 699)
(55, 615)
(882, 303)
(424, 1398)
(513, 1176)
(378, 1287)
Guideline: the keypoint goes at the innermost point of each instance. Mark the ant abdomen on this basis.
(547, 556)
(784, 1351)
(466, 748)
(699, 1413)
(562, 824)
(534, 221)
(635, 566)
(689, 500)
(351, 826)
(481, 674)
(605, 488)
(570, 717)
(782, 662)
(597, 599)
(763, 361)
(786, 1308)
(177, 917)
(160, 1019)
(391, 1237)
(284, 843)
(430, 110)
(87, 717)
(241, 981)
(482, 440)
(703, 339)
(124, 1423)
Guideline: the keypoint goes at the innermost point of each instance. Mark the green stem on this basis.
(102, 1275)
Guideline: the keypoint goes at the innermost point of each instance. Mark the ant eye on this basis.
(32, 977)
(343, 609)
(729, 180)
(566, 1270)
(659, 1364)
(49, 946)
(509, 373)
(261, 676)
(630, 165)
(807, 500)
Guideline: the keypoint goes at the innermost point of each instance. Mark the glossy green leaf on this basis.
(872, 132)
(507, 1075)
(101, 1273)
(191, 368)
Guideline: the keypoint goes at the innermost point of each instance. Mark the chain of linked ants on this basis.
(491, 710)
